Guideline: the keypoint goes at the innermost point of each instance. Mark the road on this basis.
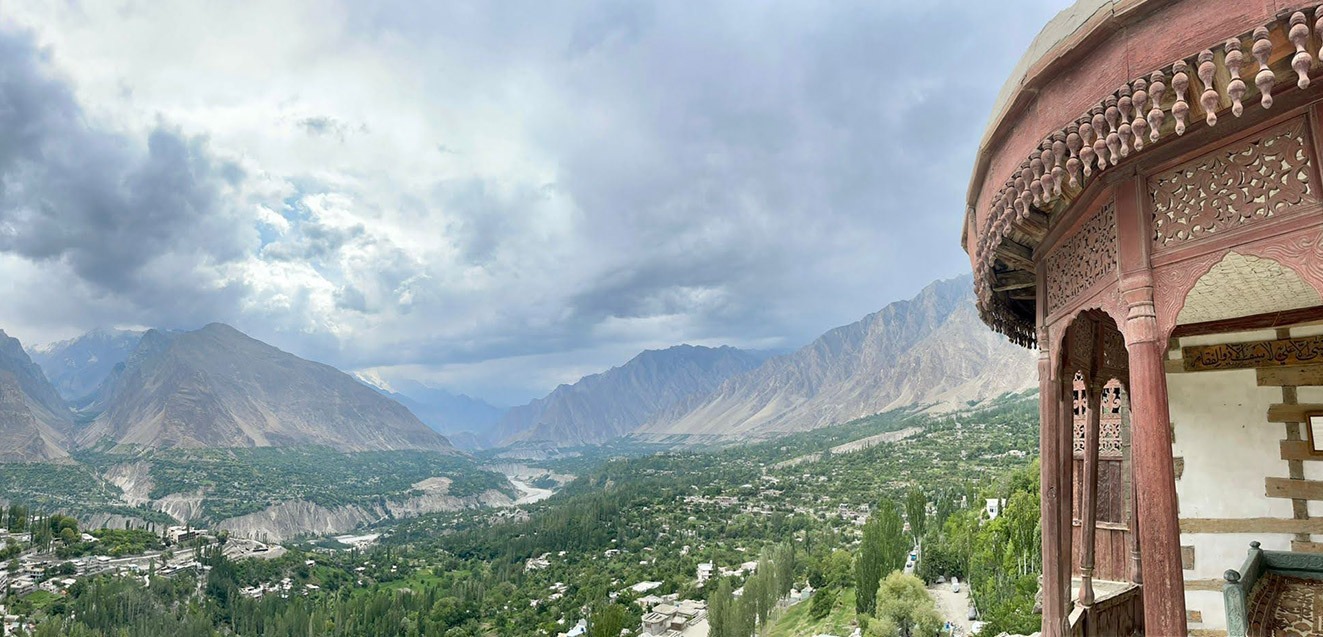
(953, 606)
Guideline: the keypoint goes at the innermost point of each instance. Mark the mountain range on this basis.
(469, 423)
(34, 422)
(614, 403)
(212, 387)
(78, 366)
(929, 350)
(216, 387)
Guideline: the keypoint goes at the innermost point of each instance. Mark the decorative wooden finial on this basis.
(1123, 104)
(1036, 187)
(1100, 137)
(1157, 87)
(1318, 28)
(1045, 158)
(1236, 87)
(1209, 98)
(1299, 36)
(1140, 101)
(1018, 203)
(1023, 183)
(1086, 145)
(1074, 144)
(1180, 81)
(1264, 79)
(1113, 116)
(1059, 153)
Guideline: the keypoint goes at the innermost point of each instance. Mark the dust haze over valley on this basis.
(336, 319)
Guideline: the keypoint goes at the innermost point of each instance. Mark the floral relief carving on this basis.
(1083, 260)
(1081, 344)
(1110, 443)
(1264, 178)
(1109, 419)
(1115, 356)
(1109, 422)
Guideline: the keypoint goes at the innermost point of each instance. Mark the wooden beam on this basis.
(1015, 255)
(1292, 413)
(1294, 489)
(1204, 584)
(1035, 226)
(1298, 450)
(1251, 525)
(1257, 321)
(1283, 351)
(1298, 546)
(1297, 376)
(1014, 280)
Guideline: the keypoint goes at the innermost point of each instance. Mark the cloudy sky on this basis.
(490, 197)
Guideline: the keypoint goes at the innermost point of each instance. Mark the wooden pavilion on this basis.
(1147, 210)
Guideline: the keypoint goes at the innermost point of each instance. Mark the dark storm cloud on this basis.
(733, 171)
(760, 170)
(129, 217)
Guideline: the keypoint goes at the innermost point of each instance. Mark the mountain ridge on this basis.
(930, 349)
(591, 410)
(218, 387)
(35, 424)
(469, 423)
(77, 366)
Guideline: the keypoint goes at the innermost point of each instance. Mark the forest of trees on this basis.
(625, 521)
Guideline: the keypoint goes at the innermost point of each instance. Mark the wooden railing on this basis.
(1115, 615)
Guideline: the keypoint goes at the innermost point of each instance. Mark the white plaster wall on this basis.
(1211, 609)
(1221, 430)
(1313, 470)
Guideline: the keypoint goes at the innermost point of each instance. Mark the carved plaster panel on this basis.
(1240, 285)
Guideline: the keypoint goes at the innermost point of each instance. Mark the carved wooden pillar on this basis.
(1089, 487)
(1128, 471)
(1066, 472)
(1049, 408)
(1155, 476)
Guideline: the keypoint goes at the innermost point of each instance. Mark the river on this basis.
(530, 493)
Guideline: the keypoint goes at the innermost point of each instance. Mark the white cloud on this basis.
(499, 197)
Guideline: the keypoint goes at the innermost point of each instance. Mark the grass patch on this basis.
(796, 622)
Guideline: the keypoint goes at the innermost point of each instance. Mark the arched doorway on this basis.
(1104, 548)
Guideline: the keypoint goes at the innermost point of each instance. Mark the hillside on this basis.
(34, 423)
(614, 403)
(931, 349)
(216, 387)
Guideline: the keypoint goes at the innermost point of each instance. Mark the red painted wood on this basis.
(1159, 532)
(1089, 490)
(1154, 473)
(1085, 67)
(1051, 492)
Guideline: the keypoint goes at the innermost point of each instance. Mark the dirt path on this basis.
(953, 606)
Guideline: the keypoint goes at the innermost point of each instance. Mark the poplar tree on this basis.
(881, 551)
(916, 510)
(718, 611)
